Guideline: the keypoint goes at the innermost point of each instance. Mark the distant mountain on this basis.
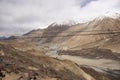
(84, 35)
(2, 38)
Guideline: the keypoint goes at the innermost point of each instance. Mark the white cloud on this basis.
(19, 16)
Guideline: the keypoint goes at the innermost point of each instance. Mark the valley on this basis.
(83, 51)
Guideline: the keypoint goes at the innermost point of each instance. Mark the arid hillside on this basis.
(16, 63)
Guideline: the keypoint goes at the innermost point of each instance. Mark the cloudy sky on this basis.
(20, 16)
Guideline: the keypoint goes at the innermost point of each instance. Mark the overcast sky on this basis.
(20, 16)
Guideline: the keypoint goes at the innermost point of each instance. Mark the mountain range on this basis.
(69, 51)
(100, 32)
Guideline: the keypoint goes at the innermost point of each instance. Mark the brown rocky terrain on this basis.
(17, 62)
(93, 53)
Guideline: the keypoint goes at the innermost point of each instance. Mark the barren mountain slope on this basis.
(20, 62)
(16, 63)
(102, 31)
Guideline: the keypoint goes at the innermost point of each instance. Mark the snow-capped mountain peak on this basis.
(112, 15)
(108, 15)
